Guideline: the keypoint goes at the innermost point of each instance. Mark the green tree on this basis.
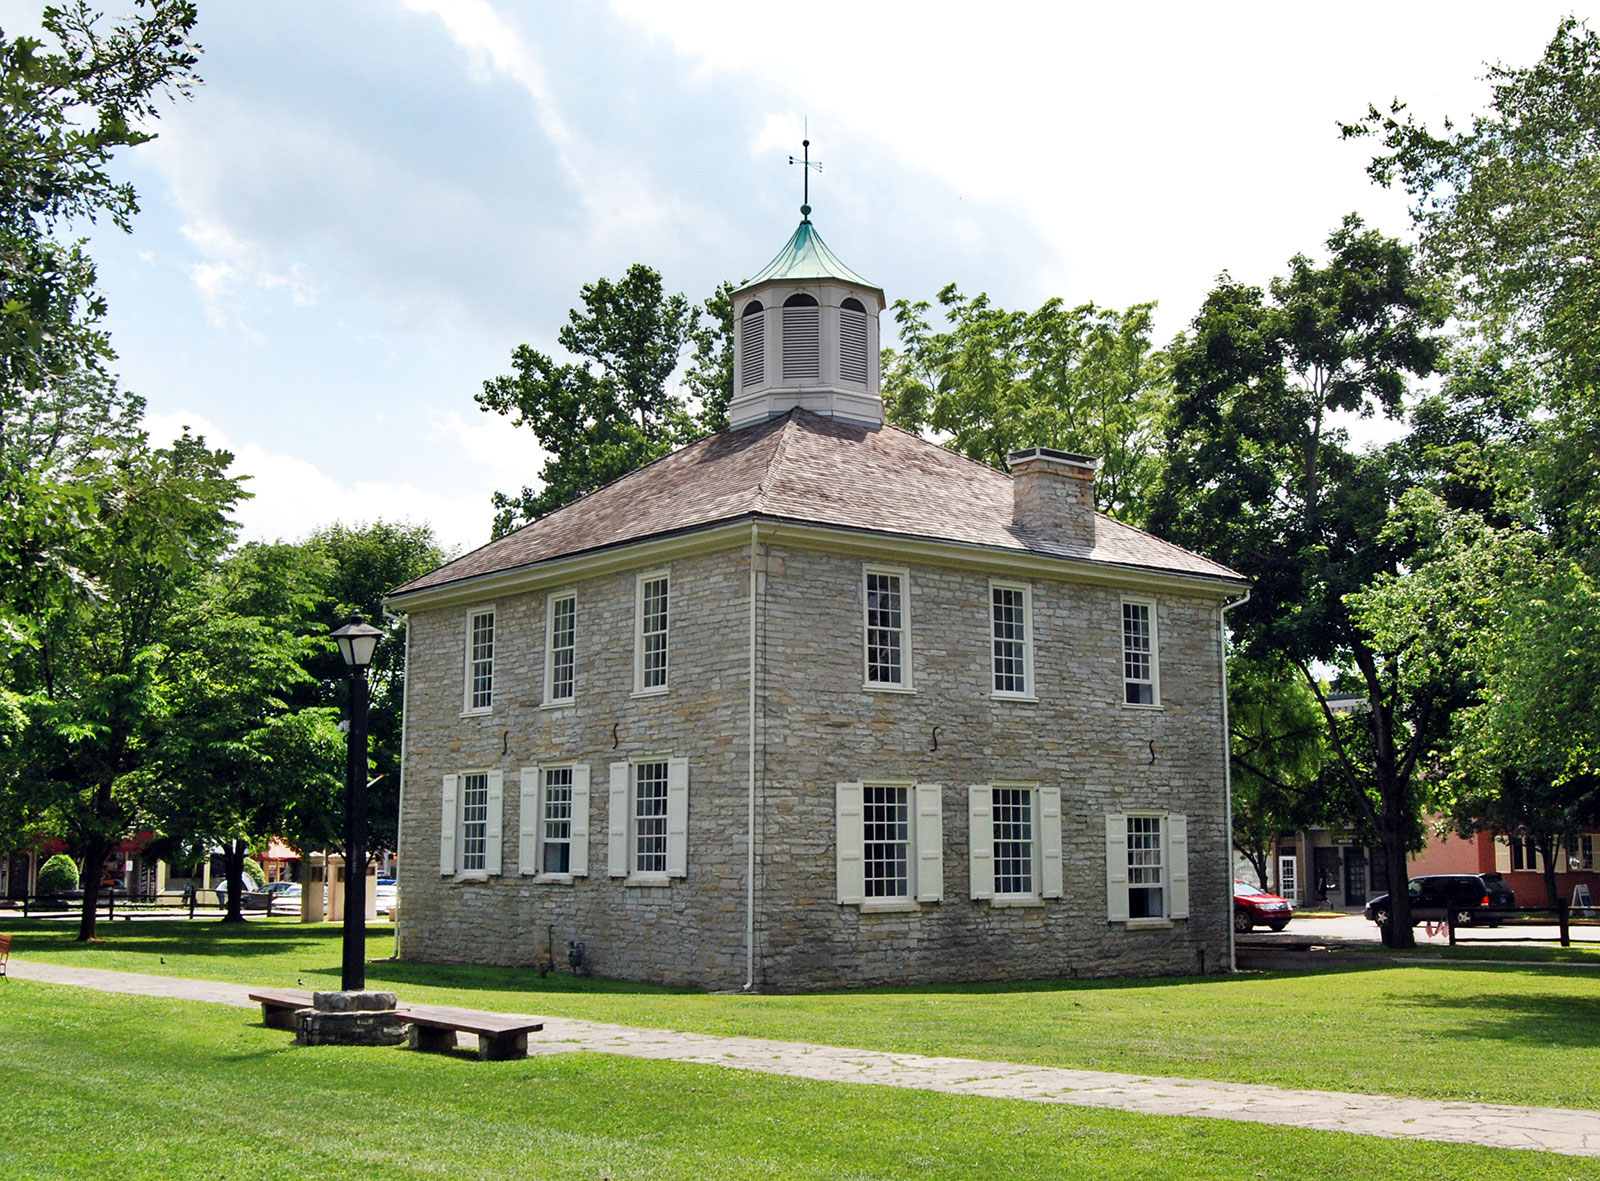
(613, 409)
(1261, 476)
(1504, 206)
(1082, 379)
(94, 681)
(232, 756)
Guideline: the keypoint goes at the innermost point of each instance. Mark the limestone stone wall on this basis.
(818, 726)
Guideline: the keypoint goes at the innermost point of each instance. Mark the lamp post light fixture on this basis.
(356, 642)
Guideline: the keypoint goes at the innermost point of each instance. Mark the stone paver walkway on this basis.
(1548, 1129)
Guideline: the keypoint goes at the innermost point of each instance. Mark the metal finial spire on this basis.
(806, 165)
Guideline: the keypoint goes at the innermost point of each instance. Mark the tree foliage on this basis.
(613, 409)
(1261, 475)
(1082, 379)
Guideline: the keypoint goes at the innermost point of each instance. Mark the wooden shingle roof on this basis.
(819, 471)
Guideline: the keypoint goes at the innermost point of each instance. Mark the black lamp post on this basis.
(356, 642)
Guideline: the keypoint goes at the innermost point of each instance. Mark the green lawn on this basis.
(1454, 1032)
(96, 1085)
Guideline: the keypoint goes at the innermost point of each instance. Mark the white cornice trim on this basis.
(554, 572)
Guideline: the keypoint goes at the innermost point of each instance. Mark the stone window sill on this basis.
(1024, 698)
(660, 691)
(1149, 924)
(889, 906)
(564, 703)
(1155, 707)
(1020, 901)
(554, 879)
(478, 713)
(871, 687)
(647, 879)
(471, 875)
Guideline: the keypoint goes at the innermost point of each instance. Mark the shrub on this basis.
(253, 871)
(58, 875)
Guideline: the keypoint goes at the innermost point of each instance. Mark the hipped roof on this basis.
(807, 469)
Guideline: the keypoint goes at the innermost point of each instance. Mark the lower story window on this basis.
(469, 829)
(650, 818)
(1013, 840)
(1147, 866)
(556, 838)
(886, 841)
(474, 820)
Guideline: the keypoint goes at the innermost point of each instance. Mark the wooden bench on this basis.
(501, 1036)
(5, 953)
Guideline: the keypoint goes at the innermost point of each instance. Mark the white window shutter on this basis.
(930, 842)
(849, 838)
(1117, 867)
(617, 823)
(492, 827)
(578, 860)
(677, 818)
(1178, 859)
(1050, 885)
(528, 822)
(980, 840)
(447, 825)
(1502, 855)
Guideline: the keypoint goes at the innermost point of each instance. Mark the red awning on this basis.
(278, 851)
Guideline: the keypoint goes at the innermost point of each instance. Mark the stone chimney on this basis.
(1053, 494)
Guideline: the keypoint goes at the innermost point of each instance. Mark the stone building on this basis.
(813, 702)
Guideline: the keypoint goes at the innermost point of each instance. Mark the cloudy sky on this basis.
(370, 203)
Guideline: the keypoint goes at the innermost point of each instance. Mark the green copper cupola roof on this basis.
(805, 258)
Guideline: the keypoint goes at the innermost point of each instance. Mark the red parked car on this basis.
(1257, 908)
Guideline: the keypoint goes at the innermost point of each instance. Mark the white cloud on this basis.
(508, 455)
(232, 263)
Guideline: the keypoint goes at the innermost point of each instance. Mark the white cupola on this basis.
(806, 334)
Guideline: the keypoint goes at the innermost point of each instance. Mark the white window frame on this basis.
(639, 687)
(1028, 692)
(622, 833)
(468, 707)
(1174, 853)
(924, 845)
(453, 822)
(1154, 679)
(1045, 851)
(532, 821)
(550, 698)
(905, 683)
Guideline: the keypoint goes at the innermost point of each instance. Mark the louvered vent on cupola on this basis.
(853, 342)
(801, 339)
(753, 338)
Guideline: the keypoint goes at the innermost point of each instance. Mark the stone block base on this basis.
(359, 1028)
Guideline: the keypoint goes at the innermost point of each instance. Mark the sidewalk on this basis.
(1547, 1129)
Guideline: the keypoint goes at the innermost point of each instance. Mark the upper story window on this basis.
(885, 628)
(1011, 638)
(480, 661)
(650, 649)
(1140, 666)
(802, 350)
(752, 340)
(853, 342)
(561, 642)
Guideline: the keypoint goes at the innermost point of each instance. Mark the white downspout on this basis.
(400, 817)
(1227, 767)
(750, 852)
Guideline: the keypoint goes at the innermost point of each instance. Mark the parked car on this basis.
(250, 899)
(1253, 908)
(387, 895)
(1463, 898)
(282, 895)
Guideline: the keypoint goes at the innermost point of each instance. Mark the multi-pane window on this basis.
(1144, 867)
(1524, 854)
(650, 818)
(1138, 653)
(885, 627)
(1586, 852)
(474, 820)
(561, 647)
(480, 660)
(886, 840)
(652, 643)
(1012, 812)
(1008, 622)
(556, 820)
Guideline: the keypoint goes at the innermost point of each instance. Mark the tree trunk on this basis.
(233, 867)
(94, 867)
(1549, 846)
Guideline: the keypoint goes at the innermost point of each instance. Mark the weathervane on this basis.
(806, 165)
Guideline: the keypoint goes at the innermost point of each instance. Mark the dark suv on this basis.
(1463, 898)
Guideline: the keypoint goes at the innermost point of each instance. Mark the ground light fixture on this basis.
(357, 641)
